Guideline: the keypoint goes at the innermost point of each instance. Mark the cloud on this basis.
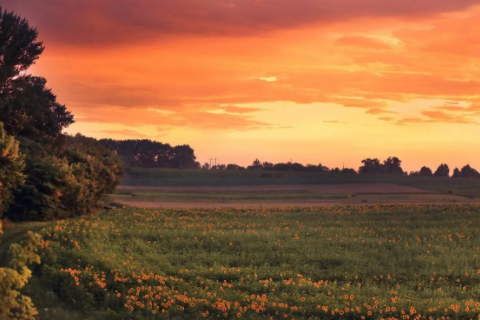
(145, 117)
(240, 110)
(107, 22)
(431, 116)
(469, 109)
(439, 116)
(334, 122)
(363, 42)
(126, 133)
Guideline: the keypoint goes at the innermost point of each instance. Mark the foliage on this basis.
(64, 185)
(256, 263)
(442, 171)
(469, 172)
(392, 166)
(425, 172)
(456, 173)
(64, 176)
(18, 50)
(30, 110)
(151, 154)
(13, 304)
(11, 168)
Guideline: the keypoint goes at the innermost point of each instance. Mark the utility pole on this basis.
(216, 162)
(211, 163)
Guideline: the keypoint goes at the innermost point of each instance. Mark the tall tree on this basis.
(456, 173)
(426, 172)
(371, 166)
(393, 165)
(442, 171)
(19, 48)
(27, 107)
(469, 172)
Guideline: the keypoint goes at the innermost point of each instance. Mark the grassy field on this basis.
(164, 177)
(397, 262)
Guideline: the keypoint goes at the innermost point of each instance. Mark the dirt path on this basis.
(360, 200)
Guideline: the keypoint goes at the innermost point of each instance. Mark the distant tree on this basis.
(281, 166)
(426, 172)
(267, 166)
(256, 165)
(393, 165)
(152, 154)
(297, 167)
(233, 167)
(442, 171)
(349, 171)
(414, 174)
(469, 172)
(371, 166)
(206, 166)
(456, 173)
(221, 167)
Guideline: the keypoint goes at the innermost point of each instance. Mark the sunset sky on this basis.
(316, 81)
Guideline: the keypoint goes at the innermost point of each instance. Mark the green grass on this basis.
(170, 177)
(191, 196)
(191, 263)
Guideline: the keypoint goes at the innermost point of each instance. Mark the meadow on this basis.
(142, 177)
(348, 262)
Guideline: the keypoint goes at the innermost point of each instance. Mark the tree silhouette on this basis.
(371, 166)
(393, 165)
(18, 50)
(442, 171)
(152, 154)
(256, 165)
(28, 109)
(469, 172)
(456, 173)
(426, 172)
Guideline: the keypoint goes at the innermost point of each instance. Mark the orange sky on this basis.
(316, 81)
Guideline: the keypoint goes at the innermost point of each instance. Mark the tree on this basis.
(31, 111)
(393, 165)
(442, 171)
(456, 173)
(13, 304)
(152, 154)
(370, 166)
(349, 171)
(12, 165)
(256, 165)
(425, 172)
(267, 166)
(19, 48)
(206, 166)
(232, 167)
(27, 108)
(469, 172)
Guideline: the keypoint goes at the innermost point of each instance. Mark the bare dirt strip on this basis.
(357, 188)
(423, 199)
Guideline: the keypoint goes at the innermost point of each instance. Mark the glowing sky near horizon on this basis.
(316, 81)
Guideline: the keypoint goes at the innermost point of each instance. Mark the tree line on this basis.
(390, 166)
(152, 154)
(44, 173)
